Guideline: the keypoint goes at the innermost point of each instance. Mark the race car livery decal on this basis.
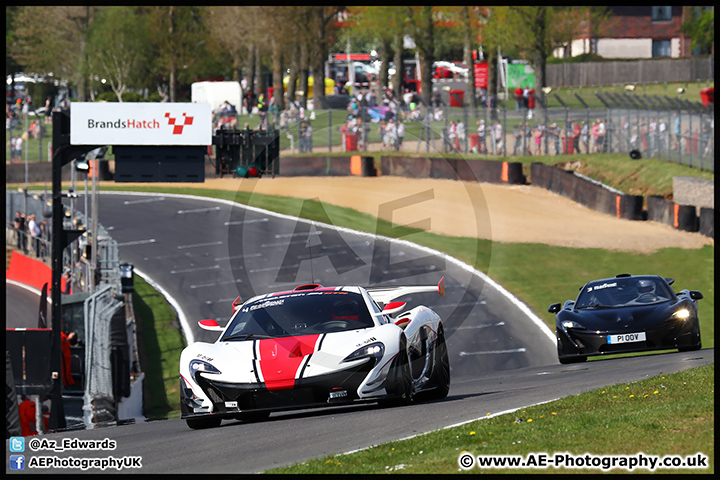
(602, 286)
(281, 358)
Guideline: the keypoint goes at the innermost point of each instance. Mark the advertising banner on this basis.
(109, 123)
(481, 74)
(520, 75)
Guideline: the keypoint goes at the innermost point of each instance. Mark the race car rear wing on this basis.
(388, 294)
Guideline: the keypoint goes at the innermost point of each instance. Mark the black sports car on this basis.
(628, 313)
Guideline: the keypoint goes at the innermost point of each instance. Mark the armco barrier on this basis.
(326, 166)
(587, 192)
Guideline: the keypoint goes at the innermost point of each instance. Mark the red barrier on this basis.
(31, 272)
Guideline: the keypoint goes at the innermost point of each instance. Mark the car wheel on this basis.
(400, 377)
(440, 377)
(204, 422)
(252, 416)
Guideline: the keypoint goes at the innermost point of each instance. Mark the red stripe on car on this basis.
(280, 359)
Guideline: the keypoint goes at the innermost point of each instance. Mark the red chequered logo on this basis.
(178, 127)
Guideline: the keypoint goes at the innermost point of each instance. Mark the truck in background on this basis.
(215, 93)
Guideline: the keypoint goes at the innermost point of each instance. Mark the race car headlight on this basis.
(201, 366)
(682, 314)
(570, 324)
(374, 350)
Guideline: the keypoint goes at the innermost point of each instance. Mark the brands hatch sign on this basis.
(140, 124)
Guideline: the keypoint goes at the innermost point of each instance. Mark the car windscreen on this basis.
(299, 313)
(621, 292)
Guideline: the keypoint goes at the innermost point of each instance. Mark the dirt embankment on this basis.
(495, 212)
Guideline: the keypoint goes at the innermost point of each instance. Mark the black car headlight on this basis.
(374, 350)
(568, 324)
(197, 366)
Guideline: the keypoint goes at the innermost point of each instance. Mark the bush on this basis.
(154, 97)
(106, 97)
(132, 97)
(112, 97)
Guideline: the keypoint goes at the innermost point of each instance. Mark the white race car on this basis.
(315, 346)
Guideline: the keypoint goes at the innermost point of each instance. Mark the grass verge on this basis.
(670, 414)
(161, 342)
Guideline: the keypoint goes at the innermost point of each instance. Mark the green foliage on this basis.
(700, 26)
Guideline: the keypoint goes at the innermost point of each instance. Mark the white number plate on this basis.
(626, 338)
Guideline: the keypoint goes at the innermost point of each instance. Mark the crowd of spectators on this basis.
(32, 236)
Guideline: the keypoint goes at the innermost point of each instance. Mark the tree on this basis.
(322, 25)
(421, 27)
(58, 46)
(178, 36)
(700, 27)
(117, 47)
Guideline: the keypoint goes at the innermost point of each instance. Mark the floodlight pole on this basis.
(63, 153)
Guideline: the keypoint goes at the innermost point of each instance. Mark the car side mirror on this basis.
(695, 295)
(670, 281)
(210, 325)
(554, 308)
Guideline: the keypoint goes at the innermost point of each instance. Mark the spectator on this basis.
(391, 134)
(584, 136)
(538, 134)
(662, 135)
(518, 98)
(481, 136)
(19, 146)
(340, 89)
(517, 134)
(498, 132)
(436, 99)
(576, 136)
(21, 229)
(35, 233)
(452, 136)
(601, 136)
(460, 135)
(553, 132)
(48, 111)
(306, 135)
(400, 134)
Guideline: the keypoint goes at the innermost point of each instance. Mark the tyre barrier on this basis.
(487, 171)
(660, 209)
(326, 166)
(707, 222)
(681, 217)
(587, 192)
(685, 217)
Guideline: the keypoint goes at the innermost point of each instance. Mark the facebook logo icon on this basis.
(17, 462)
